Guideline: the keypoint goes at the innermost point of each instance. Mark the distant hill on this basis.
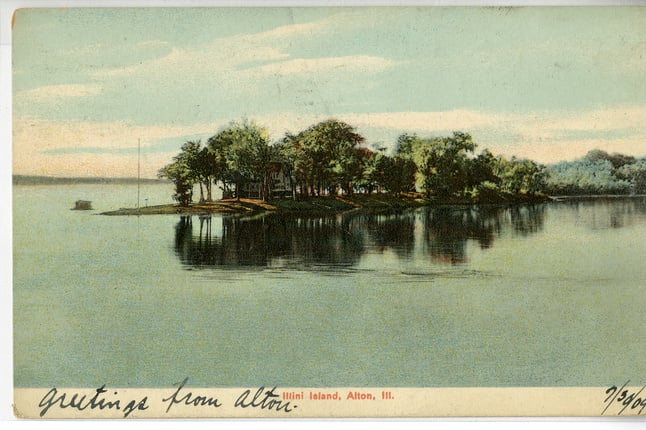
(49, 180)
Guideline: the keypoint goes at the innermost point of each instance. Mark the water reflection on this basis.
(390, 232)
(447, 230)
(438, 235)
(268, 240)
(610, 213)
(526, 220)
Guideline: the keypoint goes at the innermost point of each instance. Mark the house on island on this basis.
(279, 183)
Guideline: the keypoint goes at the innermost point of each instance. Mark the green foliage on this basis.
(218, 145)
(325, 157)
(598, 173)
(396, 174)
(634, 173)
(405, 145)
(443, 163)
(329, 157)
(486, 192)
(241, 154)
(192, 154)
(181, 171)
(520, 176)
(616, 159)
(207, 171)
(584, 177)
(361, 177)
(483, 169)
(194, 164)
(448, 166)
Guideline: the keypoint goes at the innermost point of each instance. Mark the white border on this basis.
(6, 319)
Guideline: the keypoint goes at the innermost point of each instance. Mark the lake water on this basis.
(546, 295)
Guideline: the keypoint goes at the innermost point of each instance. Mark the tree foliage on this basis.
(585, 177)
(443, 163)
(181, 172)
(330, 158)
(616, 159)
(325, 157)
(520, 176)
(635, 174)
(449, 166)
(396, 174)
(241, 155)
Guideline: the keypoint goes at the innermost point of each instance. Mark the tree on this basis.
(396, 174)
(483, 169)
(405, 145)
(325, 157)
(370, 173)
(241, 155)
(192, 154)
(355, 170)
(290, 150)
(181, 172)
(285, 152)
(218, 145)
(616, 159)
(198, 167)
(520, 176)
(208, 171)
(584, 176)
(636, 174)
(443, 163)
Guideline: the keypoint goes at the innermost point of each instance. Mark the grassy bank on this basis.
(328, 204)
(220, 206)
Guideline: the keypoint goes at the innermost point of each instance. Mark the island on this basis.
(329, 167)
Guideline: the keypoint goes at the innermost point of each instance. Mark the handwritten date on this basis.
(624, 398)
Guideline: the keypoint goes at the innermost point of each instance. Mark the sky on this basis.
(543, 83)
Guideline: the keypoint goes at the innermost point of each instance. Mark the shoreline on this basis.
(322, 205)
(333, 205)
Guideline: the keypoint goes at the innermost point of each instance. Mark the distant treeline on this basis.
(598, 172)
(50, 180)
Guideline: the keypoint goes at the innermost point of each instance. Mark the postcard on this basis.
(328, 212)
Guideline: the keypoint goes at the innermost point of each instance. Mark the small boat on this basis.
(82, 205)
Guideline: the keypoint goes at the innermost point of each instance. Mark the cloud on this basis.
(546, 137)
(428, 122)
(54, 92)
(554, 136)
(600, 119)
(196, 63)
(287, 31)
(236, 57)
(223, 54)
(45, 147)
(354, 64)
(108, 148)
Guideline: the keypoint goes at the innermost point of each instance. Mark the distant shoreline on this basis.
(590, 197)
(52, 180)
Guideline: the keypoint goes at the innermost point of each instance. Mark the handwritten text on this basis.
(624, 398)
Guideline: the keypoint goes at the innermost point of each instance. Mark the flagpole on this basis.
(138, 168)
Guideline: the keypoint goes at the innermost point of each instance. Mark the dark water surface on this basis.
(545, 295)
